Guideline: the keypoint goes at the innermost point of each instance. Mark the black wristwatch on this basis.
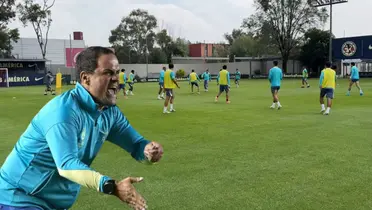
(109, 187)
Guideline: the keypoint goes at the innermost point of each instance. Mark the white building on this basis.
(29, 48)
(56, 52)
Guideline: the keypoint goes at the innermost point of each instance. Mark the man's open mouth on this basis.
(112, 91)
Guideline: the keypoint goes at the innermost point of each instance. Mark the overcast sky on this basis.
(196, 20)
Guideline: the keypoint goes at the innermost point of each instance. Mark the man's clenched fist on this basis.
(153, 152)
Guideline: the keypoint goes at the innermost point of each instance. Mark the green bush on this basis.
(180, 73)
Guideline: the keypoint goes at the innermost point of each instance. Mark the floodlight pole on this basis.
(321, 3)
(330, 30)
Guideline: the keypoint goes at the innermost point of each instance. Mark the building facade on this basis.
(60, 53)
(29, 48)
(203, 49)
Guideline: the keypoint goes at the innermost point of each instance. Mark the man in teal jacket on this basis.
(51, 159)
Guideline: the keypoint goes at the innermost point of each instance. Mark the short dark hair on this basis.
(192, 70)
(275, 63)
(352, 63)
(123, 70)
(224, 67)
(132, 71)
(328, 64)
(87, 60)
(171, 66)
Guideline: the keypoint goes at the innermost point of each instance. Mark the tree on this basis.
(235, 34)
(136, 31)
(221, 50)
(7, 14)
(266, 45)
(244, 46)
(166, 44)
(125, 54)
(40, 17)
(158, 56)
(288, 20)
(164, 40)
(180, 47)
(314, 51)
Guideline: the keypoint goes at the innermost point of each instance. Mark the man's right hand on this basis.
(126, 192)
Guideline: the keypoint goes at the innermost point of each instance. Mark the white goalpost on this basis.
(4, 78)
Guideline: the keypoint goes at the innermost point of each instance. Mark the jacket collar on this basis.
(86, 100)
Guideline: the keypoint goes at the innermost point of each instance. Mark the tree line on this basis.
(286, 28)
(38, 15)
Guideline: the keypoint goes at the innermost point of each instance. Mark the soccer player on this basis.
(161, 83)
(354, 79)
(223, 79)
(207, 78)
(194, 81)
(275, 78)
(305, 75)
(49, 80)
(131, 82)
(169, 84)
(52, 158)
(237, 77)
(327, 85)
(122, 80)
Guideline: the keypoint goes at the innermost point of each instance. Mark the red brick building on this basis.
(203, 50)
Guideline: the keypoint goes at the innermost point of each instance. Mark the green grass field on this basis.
(241, 155)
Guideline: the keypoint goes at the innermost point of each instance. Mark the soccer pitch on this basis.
(241, 155)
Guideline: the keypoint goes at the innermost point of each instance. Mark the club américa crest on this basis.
(349, 48)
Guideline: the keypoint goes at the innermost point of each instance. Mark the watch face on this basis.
(109, 187)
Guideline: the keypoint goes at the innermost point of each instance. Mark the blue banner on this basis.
(352, 48)
(367, 48)
(23, 65)
(23, 78)
(365, 74)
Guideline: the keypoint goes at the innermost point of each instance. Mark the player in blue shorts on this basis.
(161, 83)
(223, 80)
(275, 78)
(170, 83)
(207, 78)
(327, 85)
(354, 79)
(122, 80)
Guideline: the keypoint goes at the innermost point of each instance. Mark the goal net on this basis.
(4, 82)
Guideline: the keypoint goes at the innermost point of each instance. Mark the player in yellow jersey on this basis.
(194, 80)
(223, 79)
(122, 80)
(170, 83)
(131, 82)
(327, 85)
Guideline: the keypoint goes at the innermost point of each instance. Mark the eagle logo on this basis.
(349, 48)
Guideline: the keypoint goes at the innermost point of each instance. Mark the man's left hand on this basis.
(153, 152)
